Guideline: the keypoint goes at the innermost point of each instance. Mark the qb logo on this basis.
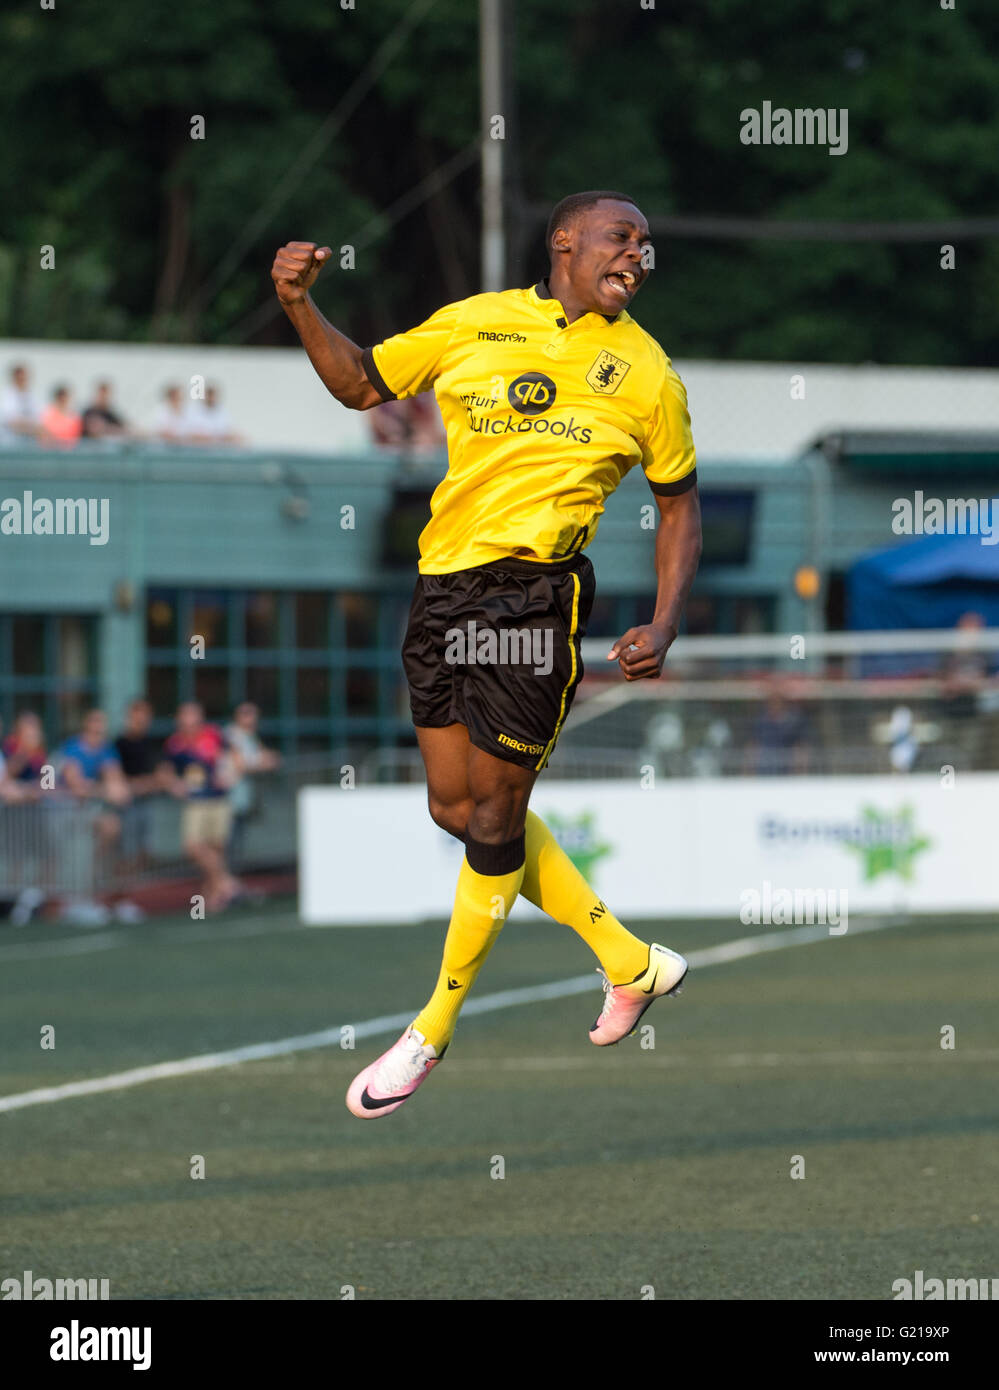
(532, 393)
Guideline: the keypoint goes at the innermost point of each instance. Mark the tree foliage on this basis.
(151, 228)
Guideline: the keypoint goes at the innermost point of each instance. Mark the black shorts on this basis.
(497, 648)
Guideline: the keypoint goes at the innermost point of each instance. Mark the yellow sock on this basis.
(481, 904)
(553, 883)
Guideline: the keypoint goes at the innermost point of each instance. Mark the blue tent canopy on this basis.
(930, 582)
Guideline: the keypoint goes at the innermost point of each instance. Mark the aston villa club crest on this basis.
(607, 373)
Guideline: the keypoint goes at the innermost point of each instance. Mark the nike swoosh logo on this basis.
(653, 984)
(370, 1103)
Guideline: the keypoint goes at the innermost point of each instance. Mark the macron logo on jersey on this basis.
(488, 337)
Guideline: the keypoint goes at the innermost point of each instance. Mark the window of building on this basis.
(323, 665)
(48, 664)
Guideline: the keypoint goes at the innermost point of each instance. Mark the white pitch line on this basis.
(388, 1023)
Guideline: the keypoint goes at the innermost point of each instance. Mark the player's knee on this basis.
(498, 817)
(451, 816)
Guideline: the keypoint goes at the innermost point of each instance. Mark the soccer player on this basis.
(549, 396)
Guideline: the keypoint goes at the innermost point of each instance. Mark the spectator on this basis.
(25, 754)
(966, 669)
(29, 897)
(9, 789)
(780, 739)
(208, 422)
(99, 420)
(90, 770)
(171, 423)
(200, 771)
(254, 758)
(19, 410)
(60, 425)
(964, 683)
(141, 757)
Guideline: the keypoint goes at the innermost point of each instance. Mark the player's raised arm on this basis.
(336, 359)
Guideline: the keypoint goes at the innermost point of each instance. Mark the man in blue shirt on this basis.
(89, 769)
(90, 765)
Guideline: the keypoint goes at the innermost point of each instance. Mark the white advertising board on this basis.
(684, 848)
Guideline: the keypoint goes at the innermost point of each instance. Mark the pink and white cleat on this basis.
(383, 1086)
(625, 1004)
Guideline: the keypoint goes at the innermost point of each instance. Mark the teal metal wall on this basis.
(254, 521)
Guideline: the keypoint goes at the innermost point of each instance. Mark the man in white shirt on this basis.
(209, 422)
(173, 421)
(20, 411)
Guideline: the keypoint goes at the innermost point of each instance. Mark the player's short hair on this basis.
(568, 210)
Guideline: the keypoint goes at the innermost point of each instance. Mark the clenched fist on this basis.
(295, 269)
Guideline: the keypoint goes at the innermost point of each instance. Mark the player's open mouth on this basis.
(622, 282)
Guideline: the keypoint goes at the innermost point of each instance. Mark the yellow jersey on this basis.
(543, 418)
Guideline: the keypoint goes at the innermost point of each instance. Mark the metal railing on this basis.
(48, 847)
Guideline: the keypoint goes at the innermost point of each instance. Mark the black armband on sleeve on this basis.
(675, 489)
(375, 376)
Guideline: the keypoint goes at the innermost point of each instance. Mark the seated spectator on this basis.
(25, 754)
(60, 425)
(171, 423)
(20, 412)
(200, 771)
(141, 757)
(99, 421)
(208, 422)
(254, 758)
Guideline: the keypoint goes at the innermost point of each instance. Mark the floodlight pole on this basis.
(491, 89)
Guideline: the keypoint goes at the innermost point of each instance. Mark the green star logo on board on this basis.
(889, 843)
(578, 837)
